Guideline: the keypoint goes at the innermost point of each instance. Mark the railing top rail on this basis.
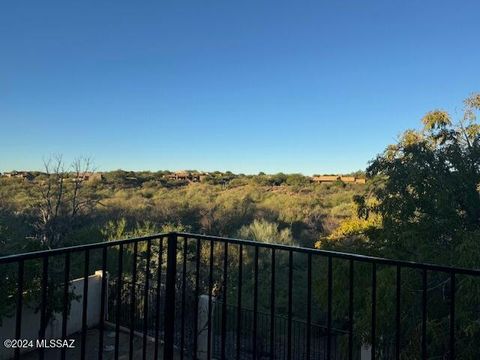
(340, 255)
(326, 253)
(59, 251)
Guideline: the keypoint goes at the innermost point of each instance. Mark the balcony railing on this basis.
(191, 296)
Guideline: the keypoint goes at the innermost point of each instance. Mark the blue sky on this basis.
(247, 86)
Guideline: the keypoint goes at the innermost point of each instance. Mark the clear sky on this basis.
(247, 86)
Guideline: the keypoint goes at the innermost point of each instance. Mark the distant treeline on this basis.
(179, 178)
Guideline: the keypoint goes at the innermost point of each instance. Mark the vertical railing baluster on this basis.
(398, 313)
(210, 289)
(424, 314)
(309, 303)
(85, 304)
(272, 307)
(224, 303)
(374, 309)
(145, 299)
(255, 304)
(290, 301)
(18, 317)
(452, 315)
(170, 296)
(65, 305)
(239, 299)
(158, 298)
(294, 338)
(197, 294)
(102, 302)
(133, 294)
(184, 280)
(119, 301)
(329, 308)
(350, 309)
(43, 309)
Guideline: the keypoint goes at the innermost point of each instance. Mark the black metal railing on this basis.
(318, 336)
(318, 332)
(194, 296)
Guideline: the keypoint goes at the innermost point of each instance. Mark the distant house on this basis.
(178, 176)
(333, 178)
(88, 176)
(186, 176)
(325, 178)
(24, 175)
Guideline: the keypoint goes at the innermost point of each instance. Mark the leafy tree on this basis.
(422, 204)
(427, 188)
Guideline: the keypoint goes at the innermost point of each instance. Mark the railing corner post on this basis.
(170, 296)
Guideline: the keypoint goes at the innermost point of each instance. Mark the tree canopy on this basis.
(423, 202)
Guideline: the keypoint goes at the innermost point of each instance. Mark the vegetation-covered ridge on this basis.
(71, 205)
